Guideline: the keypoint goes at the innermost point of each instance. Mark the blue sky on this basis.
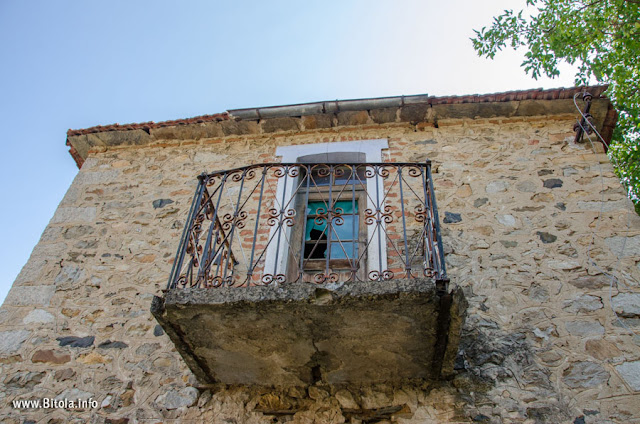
(76, 64)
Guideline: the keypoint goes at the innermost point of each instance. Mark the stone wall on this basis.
(532, 225)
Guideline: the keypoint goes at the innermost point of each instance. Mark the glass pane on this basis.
(346, 230)
(346, 205)
(312, 208)
(319, 181)
(338, 250)
(316, 230)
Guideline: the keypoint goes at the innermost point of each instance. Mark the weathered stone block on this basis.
(11, 341)
(527, 187)
(77, 231)
(38, 316)
(96, 177)
(612, 205)
(591, 282)
(51, 357)
(602, 349)
(80, 215)
(158, 331)
(280, 124)
(382, 116)
(68, 277)
(312, 122)
(451, 218)
(174, 399)
(563, 265)
(353, 118)
(474, 110)
(627, 304)
(24, 379)
(480, 202)
(464, 191)
(583, 303)
(65, 374)
(74, 394)
(506, 220)
(546, 237)
(414, 113)
(94, 358)
(129, 137)
(30, 295)
(552, 183)
(161, 203)
(624, 247)
(585, 375)
(239, 127)
(584, 328)
(630, 372)
(73, 341)
(188, 132)
(497, 186)
(112, 345)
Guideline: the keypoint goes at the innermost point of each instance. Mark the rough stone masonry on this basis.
(533, 227)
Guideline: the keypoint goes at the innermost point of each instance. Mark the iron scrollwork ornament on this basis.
(421, 214)
(381, 276)
(270, 278)
(378, 216)
(281, 217)
(259, 206)
(330, 277)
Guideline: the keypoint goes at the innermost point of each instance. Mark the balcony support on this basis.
(300, 334)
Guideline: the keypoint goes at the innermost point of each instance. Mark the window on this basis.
(330, 236)
(344, 238)
(332, 232)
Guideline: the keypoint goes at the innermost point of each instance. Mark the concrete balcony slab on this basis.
(299, 334)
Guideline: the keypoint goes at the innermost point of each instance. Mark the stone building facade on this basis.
(533, 227)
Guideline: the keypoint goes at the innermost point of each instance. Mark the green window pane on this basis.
(312, 208)
(345, 205)
(317, 229)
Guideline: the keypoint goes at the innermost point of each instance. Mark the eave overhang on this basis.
(415, 110)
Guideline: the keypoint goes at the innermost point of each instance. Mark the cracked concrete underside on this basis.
(299, 334)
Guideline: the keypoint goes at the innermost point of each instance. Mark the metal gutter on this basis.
(329, 106)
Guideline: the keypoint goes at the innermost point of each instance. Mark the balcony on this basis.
(292, 274)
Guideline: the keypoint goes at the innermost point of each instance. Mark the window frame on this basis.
(376, 256)
(341, 266)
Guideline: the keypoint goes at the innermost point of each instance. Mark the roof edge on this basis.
(224, 116)
(334, 106)
(415, 109)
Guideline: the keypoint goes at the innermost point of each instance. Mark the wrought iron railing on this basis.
(323, 222)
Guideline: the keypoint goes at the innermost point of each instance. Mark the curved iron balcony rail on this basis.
(322, 222)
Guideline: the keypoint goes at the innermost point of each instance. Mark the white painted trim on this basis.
(371, 148)
(285, 189)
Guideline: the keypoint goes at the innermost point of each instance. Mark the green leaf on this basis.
(600, 37)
